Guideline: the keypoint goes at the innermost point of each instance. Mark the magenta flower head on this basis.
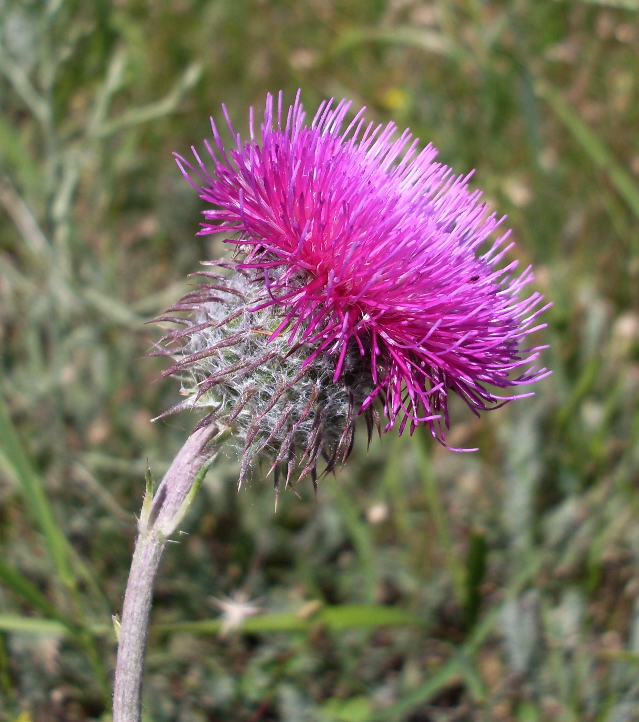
(366, 280)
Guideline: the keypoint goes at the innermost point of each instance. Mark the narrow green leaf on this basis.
(342, 617)
(7, 688)
(159, 109)
(360, 536)
(475, 572)
(16, 459)
(252, 625)
(31, 625)
(528, 712)
(15, 581)
(14, 154)
(439, 681)
(592, 145)
(624, 4)
(17, 624)
(429, 40)
(354, 709)
(458, 666)
(460, 663)
(334, 618)
(442, 525)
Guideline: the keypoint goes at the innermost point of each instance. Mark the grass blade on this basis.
(16, 624)
(15, 581)
(592, 145)
(429, 40)
(441, 521)
(16, 460)
(334, 618)
(360, 536)
(624, 4)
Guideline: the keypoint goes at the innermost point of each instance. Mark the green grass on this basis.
(423, 585)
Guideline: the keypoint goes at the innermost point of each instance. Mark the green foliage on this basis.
(423, 585)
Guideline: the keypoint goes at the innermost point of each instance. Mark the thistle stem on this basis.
(134, 629)
(161, 514)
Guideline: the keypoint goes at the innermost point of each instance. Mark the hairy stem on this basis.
(134, 630)
(161, 513)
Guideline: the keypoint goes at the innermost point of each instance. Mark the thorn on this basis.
(276, 485)
(116, 626)
(351, 445)
(148, 477)
(147, 503)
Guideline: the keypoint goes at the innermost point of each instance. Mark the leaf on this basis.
(22, 586)
(335, 618)
(18, 464)
(17, 624)
(592, 145)
(429, 40)
(31, 625)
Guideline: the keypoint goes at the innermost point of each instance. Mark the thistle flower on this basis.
(364, 279)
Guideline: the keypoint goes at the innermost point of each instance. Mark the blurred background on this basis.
(423, 585)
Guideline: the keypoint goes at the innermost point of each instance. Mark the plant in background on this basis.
(363, 283)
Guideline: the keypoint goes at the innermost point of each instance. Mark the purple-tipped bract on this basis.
(365, 245)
